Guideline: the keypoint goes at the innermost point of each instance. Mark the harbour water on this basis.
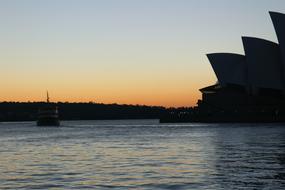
(142, 155)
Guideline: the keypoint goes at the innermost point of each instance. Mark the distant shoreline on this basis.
(27, 111)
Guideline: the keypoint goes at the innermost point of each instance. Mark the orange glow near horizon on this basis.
(165, 88)
(165, 102)
(170, 82)
(175, 96)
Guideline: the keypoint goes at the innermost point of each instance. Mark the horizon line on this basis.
(92, 102)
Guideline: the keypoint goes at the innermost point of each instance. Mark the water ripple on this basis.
(142, 155)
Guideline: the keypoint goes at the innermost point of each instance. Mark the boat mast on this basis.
(47, 97)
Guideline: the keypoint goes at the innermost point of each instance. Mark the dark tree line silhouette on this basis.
(27, 111)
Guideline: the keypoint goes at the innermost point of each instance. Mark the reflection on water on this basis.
(142, 155)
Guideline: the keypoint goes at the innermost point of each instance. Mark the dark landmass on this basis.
(28, 111)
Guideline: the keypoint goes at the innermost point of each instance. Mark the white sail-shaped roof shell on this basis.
(229, 68)
(264, 64)
(278, 20)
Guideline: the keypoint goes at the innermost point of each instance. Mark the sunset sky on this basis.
(148, 52)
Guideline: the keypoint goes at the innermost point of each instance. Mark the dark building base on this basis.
(233, 104)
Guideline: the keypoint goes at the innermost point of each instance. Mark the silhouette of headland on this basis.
(28, 111)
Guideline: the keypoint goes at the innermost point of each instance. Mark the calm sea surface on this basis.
(142, 155)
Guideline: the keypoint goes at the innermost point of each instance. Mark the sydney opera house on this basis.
(250, 87)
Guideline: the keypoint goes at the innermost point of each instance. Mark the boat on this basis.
(48, 114)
